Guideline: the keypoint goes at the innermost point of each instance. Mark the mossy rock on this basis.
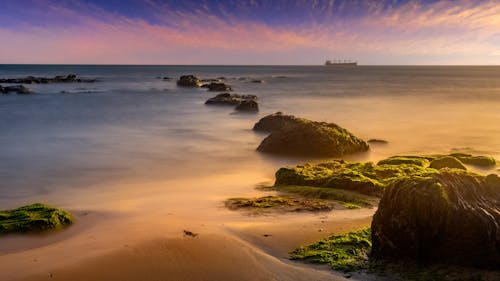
(282, 202)
(298, 136)
(447, 162)
(365, 178)
(33, 218)
(347, 252)
(189, 81)
(450, 217)
(413, 160)
(480, 161)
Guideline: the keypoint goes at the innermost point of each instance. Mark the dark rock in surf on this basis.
(217, 87)
(248, 106)
(377, 141)
(19, 89)
(71, 78)
(292, 135)
(189, 81)
(451, 217)
(229, 99)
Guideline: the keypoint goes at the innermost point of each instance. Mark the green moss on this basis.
(365, 178)
(344, 197)
(412, 160)
(33, 218)
(347, 252)
(288, 203)
(481, 161)
(447, 162)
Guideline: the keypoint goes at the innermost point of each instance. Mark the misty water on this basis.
(134, 127)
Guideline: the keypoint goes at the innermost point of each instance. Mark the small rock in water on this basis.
(248, 106)
(377, 141)
(217, 87)
(189, 81)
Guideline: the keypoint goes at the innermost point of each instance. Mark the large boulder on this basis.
(217, 87)
(275, 122)
(189, 81)
(451, 217)
(298, 136)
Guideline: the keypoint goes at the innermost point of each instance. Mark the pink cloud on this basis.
(412, 30)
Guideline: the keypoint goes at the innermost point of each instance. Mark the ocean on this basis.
(80, 148)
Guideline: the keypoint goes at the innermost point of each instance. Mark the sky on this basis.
(301, 32)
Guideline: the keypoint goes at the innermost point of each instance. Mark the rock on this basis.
(217, 87)
(2, 90)
(482, 161)
(447, 162)
(19, 89)
(33, 218)
(366, 178)
(248, 105)
(377, 141)
(257, 81)
(298, 136)
(275, 122)
(229, 99)
(189, 81)
(451, 217)
(71, 78)
(167, 78)
(412, 160)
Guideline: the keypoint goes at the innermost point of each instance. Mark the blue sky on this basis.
(250, 32)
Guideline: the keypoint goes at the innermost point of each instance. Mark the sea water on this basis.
(82, 139)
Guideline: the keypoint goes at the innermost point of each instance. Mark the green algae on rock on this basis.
(414, 160)
(450, 217)
(366, 178)
(291, 135)
(347, 252)
(286, 203)
(449, 162)
(480, 161)
(33, 218)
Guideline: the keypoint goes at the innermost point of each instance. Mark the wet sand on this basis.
(140, 237)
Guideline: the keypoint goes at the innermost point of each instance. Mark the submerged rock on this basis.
(450, 217)
(217, 87)
(447, 162)
(377, 141)
(189, 81)
(297, 136)
(33, 218)
(229, 99)
(71, 78)
(19, 89)
(248, 105)
(481, 161)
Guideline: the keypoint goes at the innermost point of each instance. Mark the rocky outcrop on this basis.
(291, 135)
(217, 87)
(189, 81)
(451, 217)
(447, 162)
(248, 106)
(19, 89)
(71, 78)
(33, 218)
(230, 99)
(275, 122)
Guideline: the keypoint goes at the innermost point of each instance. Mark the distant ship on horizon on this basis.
(341, 63)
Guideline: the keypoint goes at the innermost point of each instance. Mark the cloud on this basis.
(410, 32)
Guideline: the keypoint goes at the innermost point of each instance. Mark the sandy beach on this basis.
(151, 245)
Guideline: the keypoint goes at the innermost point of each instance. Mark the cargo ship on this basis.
(341, 63)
